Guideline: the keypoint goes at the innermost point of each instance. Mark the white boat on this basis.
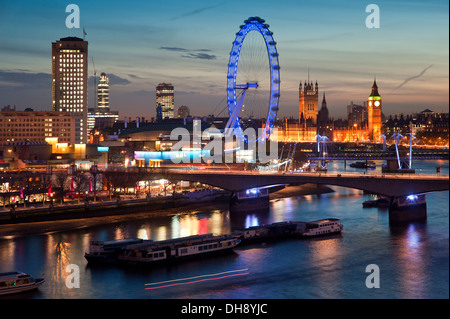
(14, 282)
(322, 227)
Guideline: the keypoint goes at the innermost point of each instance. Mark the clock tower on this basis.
(374, 113)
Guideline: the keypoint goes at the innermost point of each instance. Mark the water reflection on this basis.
(412, 251)
(326, 256)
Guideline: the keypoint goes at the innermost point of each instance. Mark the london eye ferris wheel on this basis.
(253, 78)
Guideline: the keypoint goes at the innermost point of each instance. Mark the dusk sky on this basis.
(139, 44)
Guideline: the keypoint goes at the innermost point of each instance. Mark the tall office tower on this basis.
(374, 113)
(103, 91)
(308, 102)
(70, 82)
(165, 98)
(101, 116)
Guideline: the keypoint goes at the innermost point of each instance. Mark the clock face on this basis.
(377, 103)
(370, 103)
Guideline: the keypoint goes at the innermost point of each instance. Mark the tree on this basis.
(81, 183)
(60, 181)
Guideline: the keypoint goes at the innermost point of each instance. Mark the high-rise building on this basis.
(101, 116)
(165, 99)
(374, 113)
(308, 102)
(70, 82)
(103, 91)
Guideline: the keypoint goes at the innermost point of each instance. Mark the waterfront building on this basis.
(293, 131)
(374, 113)
(35, 126)
(165, 101)
(70, 82)
(308, 101)
(324, 125)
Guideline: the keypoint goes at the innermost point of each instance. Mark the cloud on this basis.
(190, 53)
(413, 77)
(24, 79)
(202, 56)
(176, 49)
(194, 12)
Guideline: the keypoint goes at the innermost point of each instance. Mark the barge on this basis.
(138, 251)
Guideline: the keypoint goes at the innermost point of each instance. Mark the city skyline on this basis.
(138, 46)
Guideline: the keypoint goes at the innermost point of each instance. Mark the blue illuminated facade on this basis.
(188, 156)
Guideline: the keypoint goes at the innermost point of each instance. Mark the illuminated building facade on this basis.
(374, 113)
(101, 116)
(308, 102)
(69, 81)
(33, 127)
(103, 91)
(165, 100)
(323, 121)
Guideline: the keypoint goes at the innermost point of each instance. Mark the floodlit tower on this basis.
(374, 113)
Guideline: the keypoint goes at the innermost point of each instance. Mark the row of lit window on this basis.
(70, 66)
(71, 87)
(71, 60)
(72, 80)
(21, 120)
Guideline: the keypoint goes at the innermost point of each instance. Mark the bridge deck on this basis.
(383, 184)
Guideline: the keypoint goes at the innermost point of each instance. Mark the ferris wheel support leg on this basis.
(232, 120)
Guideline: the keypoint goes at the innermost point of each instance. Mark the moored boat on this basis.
(380, 202)
(289, 229)
(321, 227)
(171, 250)
(273, 231)
(15, 282)
(365, 164)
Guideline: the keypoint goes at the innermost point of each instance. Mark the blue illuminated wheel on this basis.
(253, 72)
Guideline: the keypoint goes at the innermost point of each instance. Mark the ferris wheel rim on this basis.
(255, 24)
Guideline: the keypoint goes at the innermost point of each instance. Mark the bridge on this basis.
(400, 189)
(387, 185)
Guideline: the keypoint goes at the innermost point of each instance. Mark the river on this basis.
(412, 259)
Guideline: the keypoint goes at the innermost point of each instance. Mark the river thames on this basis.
(413, 259)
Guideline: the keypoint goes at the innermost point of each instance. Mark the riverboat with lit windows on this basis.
(15, 282)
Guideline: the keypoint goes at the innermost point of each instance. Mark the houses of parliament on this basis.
(363, 123)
